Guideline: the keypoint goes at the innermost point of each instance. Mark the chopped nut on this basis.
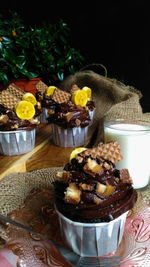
(62, 175)
(109, 190)
(105, 190)
(59, 174)
(79, 159)
(51, 111)
(15, 126)
(107, 166)
(97, 168)
(87, 187)
(100, 188)
(38, 105)
(3, 119)
(34, 121)
(68, 116)
(73, 194)
(93, 166)
(78, 122)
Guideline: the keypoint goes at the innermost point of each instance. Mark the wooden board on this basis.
(44, 155)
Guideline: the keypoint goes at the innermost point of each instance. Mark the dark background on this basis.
(112, 33)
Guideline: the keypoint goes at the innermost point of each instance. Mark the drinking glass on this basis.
(133, 135)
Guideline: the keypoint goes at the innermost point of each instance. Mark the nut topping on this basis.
(92, 166)
(100, 188)
(86, 187)
(62, 175)
(73, 194)
(3, 119)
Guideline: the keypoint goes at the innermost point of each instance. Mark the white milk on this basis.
(135, 144)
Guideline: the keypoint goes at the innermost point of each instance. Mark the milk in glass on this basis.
(134, 140)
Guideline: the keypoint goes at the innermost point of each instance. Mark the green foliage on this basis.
(29, 52)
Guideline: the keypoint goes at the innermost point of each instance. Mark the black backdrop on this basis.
(114, 33)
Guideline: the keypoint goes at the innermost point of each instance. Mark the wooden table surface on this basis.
(44, 155)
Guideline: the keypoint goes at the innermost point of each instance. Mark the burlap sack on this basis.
(15, 187)
(113, 100)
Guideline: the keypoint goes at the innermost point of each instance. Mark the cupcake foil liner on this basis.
(92, 239)
(91, 114)
(72, 137)
(17, 142)
(43, 116)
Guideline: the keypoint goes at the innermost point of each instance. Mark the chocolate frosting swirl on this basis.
(68, 115)
(10, 122)
(93, 206)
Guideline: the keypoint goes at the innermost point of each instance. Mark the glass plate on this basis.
(133, 251)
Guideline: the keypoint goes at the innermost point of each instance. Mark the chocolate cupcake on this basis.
(69, 113)
(93, 199)
(17, 136)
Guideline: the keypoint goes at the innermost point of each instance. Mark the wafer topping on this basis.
(60, 96)
(110, 151)
(8, 100)
(41, 87)
(14, 90)
(74, 88)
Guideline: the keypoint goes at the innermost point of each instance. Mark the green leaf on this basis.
(20, 61)
(1, 47)
(6, 40)
(28, 74)
(60, 76)
(4, 78)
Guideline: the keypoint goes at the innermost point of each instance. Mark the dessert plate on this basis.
(26, 248)
(134, 249)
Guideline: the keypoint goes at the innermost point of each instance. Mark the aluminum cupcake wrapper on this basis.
(92, 239)
(91, 114)
(17, 142)
(43, 116)
(72, 137)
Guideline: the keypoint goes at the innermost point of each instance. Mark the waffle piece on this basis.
(41, 87)
(14, 90)
(8, 100)
(109, 151)
(60, 96)
(74, 88)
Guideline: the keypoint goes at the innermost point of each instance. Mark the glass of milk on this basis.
(134, 139)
